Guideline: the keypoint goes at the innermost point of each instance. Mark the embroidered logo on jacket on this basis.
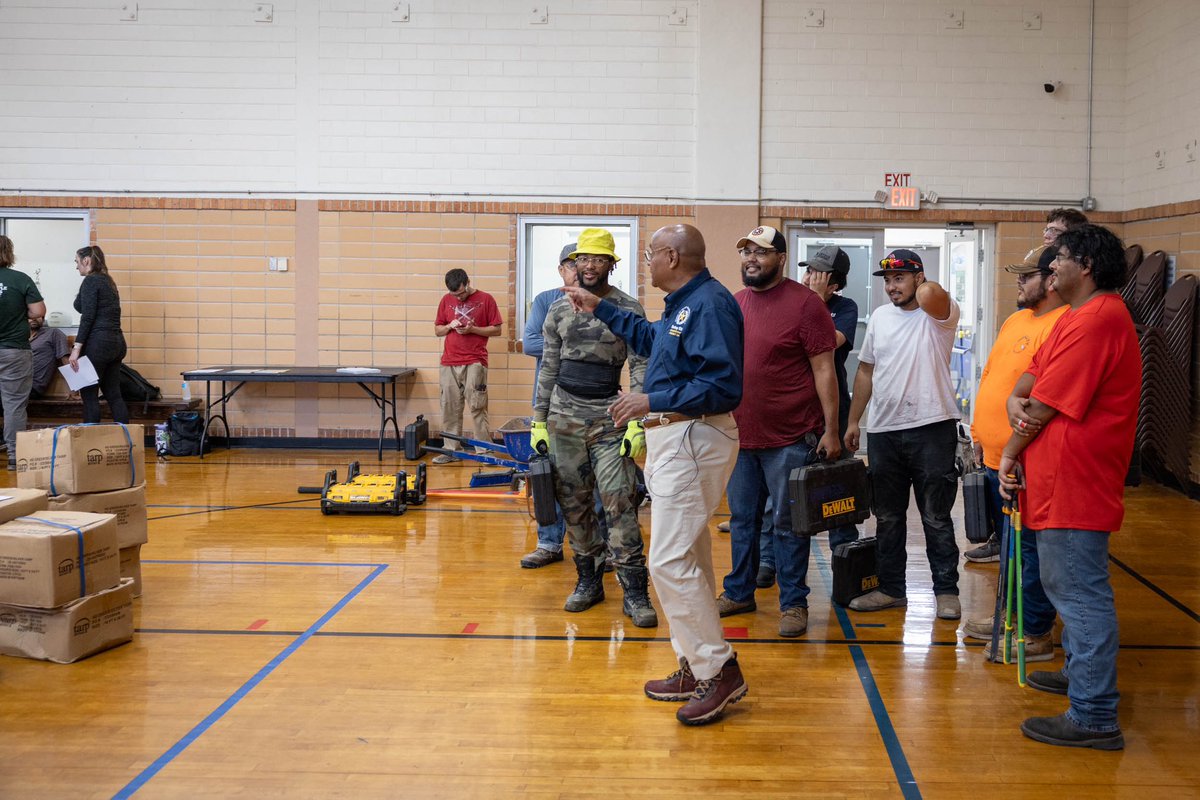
(681, 319)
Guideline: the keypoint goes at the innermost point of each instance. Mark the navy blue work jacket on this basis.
(695, 350)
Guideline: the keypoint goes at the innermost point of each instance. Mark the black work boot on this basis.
(637, 600)
(590, 589)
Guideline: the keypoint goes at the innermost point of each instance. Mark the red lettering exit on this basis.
(896, 178)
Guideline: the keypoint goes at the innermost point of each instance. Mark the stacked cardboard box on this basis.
(62, 597)
(94, 468)
(63, 594)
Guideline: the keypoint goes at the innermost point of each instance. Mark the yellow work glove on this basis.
(634, 443)
(538, 436)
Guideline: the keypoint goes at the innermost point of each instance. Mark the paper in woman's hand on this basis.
(85, 377)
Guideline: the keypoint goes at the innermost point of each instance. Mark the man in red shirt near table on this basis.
(1074, 415)
(466, 318)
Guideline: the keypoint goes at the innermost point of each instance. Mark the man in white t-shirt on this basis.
(904, 372)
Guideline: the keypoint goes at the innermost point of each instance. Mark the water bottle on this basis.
(187, 393)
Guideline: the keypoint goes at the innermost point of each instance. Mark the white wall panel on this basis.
(469, 97)
(886, 86)
(1163, 112)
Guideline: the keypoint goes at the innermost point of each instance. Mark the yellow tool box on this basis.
(372, 494)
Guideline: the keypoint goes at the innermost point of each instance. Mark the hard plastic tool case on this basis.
(828, 495)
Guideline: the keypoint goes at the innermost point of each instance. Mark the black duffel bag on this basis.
(183, 430)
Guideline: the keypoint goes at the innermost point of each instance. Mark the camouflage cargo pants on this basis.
(587, 455)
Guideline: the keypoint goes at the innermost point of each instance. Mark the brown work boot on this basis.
(540, 558)
(1037, 648)
(727, 606)
(714, 695)
(679, 686)
(793, 622)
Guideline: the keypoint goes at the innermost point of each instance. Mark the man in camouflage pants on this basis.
(579, 380)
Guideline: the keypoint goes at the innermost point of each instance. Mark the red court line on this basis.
(470, 627)
(737, 633)
(258, 623)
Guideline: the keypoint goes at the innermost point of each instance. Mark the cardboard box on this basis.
(71, 632)
(131, 567)
(19, 502)
(127, 505)
(39, 558)
(77, 459)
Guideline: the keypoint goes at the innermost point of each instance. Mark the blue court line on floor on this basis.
(223, 709)
(1152, 587)
(883, 721)
(870, 625)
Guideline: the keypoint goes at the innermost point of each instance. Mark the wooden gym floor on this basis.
(281, 653)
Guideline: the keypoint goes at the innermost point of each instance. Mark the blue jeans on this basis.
(1074, 569)
(758, 475)
(550, 537)
(1039, 611)
(921, 459)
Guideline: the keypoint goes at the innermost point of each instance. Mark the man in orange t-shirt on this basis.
(1074, 415)
(1019, 338)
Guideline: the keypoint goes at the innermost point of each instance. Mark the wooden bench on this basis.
(65, 410)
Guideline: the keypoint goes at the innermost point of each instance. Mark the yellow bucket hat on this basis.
(596, 242)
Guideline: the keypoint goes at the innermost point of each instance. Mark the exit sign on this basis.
(902, 198)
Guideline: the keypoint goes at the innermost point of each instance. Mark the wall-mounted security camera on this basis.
(1051, 88)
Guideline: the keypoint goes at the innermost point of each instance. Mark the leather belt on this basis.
(658, 420)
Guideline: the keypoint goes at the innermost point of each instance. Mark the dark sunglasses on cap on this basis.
(899, 263)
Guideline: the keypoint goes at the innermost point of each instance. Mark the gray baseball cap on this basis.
(828, 259)
(565, 255)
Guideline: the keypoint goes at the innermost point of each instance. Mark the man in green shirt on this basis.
(19, 299)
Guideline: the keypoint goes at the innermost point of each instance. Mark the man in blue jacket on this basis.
(693, 380)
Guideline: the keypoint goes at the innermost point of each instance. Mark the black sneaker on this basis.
(1065, 733)
(989, 551)
(1047, 681)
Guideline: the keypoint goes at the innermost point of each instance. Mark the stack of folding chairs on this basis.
(1166, 325)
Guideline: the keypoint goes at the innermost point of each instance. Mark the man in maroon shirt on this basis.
(466, 318)
(788, 414)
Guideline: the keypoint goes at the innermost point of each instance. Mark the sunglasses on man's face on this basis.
(898, 263)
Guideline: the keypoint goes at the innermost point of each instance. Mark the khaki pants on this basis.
(687, 466)
(465, 384)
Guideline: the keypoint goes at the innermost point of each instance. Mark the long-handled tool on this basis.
(1015, 592)
(998, 619)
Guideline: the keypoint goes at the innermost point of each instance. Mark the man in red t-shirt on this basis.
(1074, 415)
(466, 318)
(788, 413)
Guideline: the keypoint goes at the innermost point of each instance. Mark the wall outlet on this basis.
(277, 264)
(539, 15)
(264, 12)
(400, 12)
(814, 18)
(952, 18)
(1032, 20)
(128, 12)
(678, 16)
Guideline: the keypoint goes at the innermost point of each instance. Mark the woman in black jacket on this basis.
(99, 337)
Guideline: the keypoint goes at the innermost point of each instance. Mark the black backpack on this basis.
(183, 434)
(135, 388)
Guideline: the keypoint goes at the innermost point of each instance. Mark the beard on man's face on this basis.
(764, 277)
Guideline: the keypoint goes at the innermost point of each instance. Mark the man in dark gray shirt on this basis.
(50, 351)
